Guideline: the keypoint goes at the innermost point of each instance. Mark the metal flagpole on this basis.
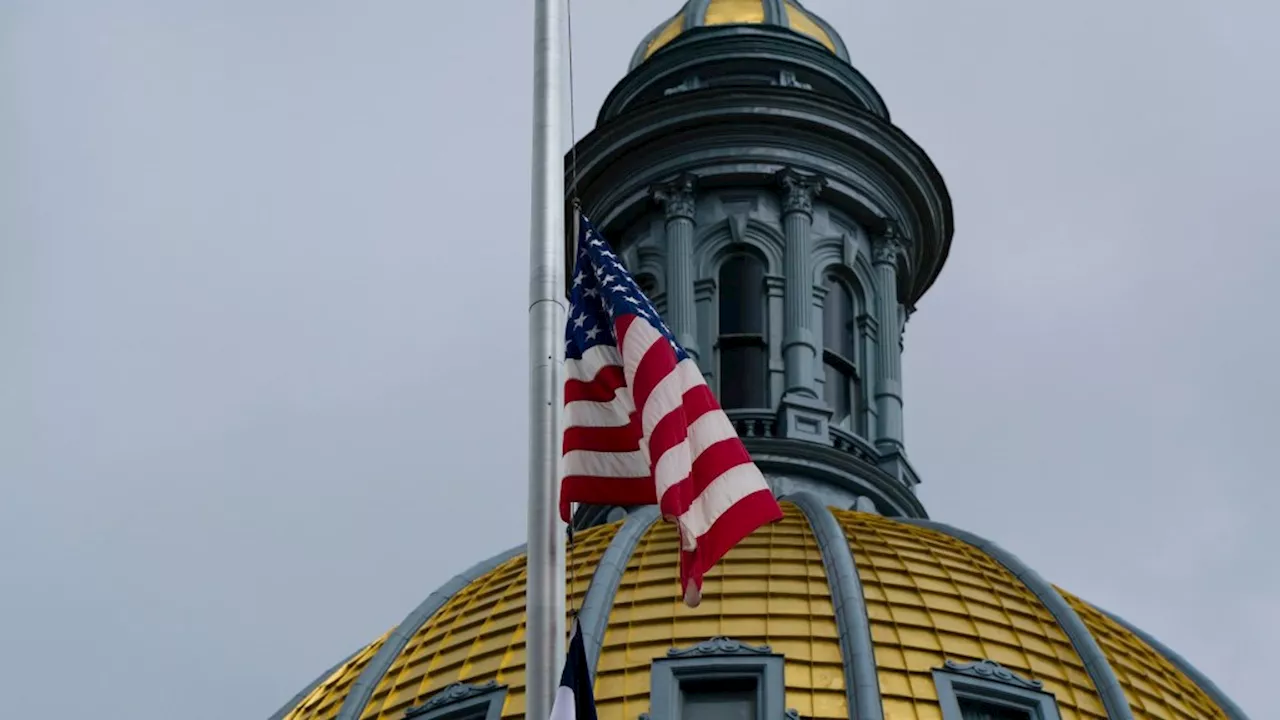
(545, 592)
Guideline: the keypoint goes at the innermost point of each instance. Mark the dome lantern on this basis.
(751, 181)
(787, 14)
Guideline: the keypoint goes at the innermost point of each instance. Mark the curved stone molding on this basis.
(710, 49)
(362, 689)
(719, 646)
(842, 467)
(455, 693)
(593, 617)
(1215, 694)
(862, 683)
(289, 706)
(874, 171)
(994, 671)
(1095, 662)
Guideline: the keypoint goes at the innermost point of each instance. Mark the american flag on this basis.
(641, 425)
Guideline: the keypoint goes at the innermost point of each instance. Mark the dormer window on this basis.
(978, 710)
(720, 679)
(719, 699)
(985, 690)
(461, 701)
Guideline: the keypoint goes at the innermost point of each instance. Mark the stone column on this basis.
(885, 251)
(802, 414)
(799, 347)
(678, 199)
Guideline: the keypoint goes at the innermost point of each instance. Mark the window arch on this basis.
(842, 385)
(741, 345)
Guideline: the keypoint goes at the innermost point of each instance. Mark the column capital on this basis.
(798, 190)
(889, 245)
(677, 196)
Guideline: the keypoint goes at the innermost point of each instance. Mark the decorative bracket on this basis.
(994, 671)
(719, 646)
(677, 196)
(889, 245)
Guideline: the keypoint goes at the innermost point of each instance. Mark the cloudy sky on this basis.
(262, 309)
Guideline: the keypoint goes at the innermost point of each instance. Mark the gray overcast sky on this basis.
(262, 301)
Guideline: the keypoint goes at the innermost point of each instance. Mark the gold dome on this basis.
(707, 13)
(929, 598)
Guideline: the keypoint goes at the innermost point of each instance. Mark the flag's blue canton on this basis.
(602, 292)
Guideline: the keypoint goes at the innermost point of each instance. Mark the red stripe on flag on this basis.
(739, 521)
(604, 491)
(670, 431)
(707, 467)
(698, 401)
(602, 388)
(620, 326)
(625, 438)
(659, 361)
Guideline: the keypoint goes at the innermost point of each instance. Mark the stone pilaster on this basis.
(886, 251)
(803, 414)
(680, 202)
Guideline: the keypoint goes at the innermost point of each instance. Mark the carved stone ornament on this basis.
(798, 191)
(720, 646)
(992, 670)
(456, 692)
(677, 196)
(889, 246)
(692, 83)
(786, 78)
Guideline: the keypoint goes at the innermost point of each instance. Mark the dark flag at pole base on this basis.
(574, 698)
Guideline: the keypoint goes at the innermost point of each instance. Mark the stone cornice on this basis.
(834, 466)
(875, 172)
(709, 51)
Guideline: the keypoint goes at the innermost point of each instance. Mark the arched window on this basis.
(843, 383)
(743, 353)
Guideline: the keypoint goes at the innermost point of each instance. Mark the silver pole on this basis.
(544, 596)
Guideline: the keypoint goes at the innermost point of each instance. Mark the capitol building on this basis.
(752, 181)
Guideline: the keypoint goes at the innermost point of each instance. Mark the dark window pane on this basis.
(742, 296)
(977, 710)
(743, 366)
(837, 319)
(839, 394)
(718, 700)
(647, 284)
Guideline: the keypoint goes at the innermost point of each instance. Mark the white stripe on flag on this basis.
(566, 705)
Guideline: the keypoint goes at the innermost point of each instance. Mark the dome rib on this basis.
(289, 706)
(353, 705)
(862, 682)
(1224, 703)
(1104, 678)
(598, 602)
